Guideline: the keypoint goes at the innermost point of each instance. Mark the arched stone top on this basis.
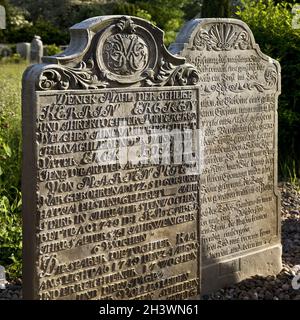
(230, 38)
(114, 51)
(216, 34)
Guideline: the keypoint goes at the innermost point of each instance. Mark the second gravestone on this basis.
(239, 88)
(110, 178)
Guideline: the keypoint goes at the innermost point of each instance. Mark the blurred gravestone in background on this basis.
(36, 50)
(5, 50)
(2, 18)
(23, 49)
(2, 277)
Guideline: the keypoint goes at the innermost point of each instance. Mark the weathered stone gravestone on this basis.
(239, 88)
(2, 18)
(36, 50)
(132, 154)
(110, 178)
(23, 49)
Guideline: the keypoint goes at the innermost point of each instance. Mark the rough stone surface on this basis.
(110, 203)
(12, 291)
(23, 49)
(239, 88)
(277, 287)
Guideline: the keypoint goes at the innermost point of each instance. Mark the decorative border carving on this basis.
(56, 77)
(170, 75)
(270, 77)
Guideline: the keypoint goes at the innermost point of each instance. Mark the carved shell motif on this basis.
(222, 37)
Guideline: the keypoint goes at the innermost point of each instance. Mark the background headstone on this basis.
(23, 49)
(5, 50)
(239, 88)
(2, 18)
(2, 277)
(110, 182)
(36, 50)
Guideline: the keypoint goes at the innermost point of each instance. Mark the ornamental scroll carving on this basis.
(123, 53)
(270, 82)
(63, 77)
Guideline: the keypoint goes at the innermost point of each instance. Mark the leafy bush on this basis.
(271, 25)
(52, 49)
(164, 13)
(216, 9)
(48, 19)
(14, 58)
(10, 168)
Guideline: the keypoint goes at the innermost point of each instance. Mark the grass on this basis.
(10, 167)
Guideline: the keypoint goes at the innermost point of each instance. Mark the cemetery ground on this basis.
(256, 288)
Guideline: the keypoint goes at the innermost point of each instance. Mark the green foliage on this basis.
(52, 49)
(164, 13)
(48, 18)
(10, 168)
(16, 21)
(271, 25)
(14, 58)
(290, 171)
(216, 8)
(44, 28)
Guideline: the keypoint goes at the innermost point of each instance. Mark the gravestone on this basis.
(239, 88)
(2, 278)
(2, 18)
(5, 50)
(110, 179)
(36, 50)
(23, 49)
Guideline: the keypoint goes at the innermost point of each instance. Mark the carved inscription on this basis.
(117, 194)
(237, 116)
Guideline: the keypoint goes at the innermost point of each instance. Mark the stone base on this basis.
(263, 262)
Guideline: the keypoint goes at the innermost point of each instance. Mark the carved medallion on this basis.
(123, 51)
(125, 54)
